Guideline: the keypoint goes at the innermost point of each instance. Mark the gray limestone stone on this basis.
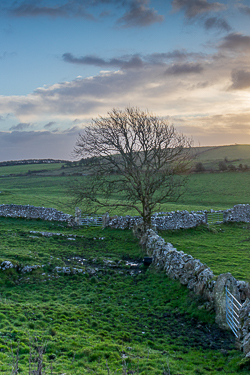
(244, 290)
(223, 280)
(105, 220)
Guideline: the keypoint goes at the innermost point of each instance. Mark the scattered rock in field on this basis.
(5, 265)
(30, 268)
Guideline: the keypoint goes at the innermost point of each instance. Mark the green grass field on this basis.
(21, 169)
(204, 191)
(219, 190)
(235, 155)
(111, 320)
(115, 319)
(224, 248)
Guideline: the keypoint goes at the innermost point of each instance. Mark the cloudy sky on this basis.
(64, 62)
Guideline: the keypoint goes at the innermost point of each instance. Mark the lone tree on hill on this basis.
(138, 161)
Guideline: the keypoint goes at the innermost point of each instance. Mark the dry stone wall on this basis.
(161, 220)
(240, 212)
(191, 272)
(179, 219)
(32, 212)
(199, 278)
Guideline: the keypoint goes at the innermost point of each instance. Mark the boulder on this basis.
(244, 318)
(186, 277)
(139, 229)
(223, 280)
(203, 279)
(246, 344)
(244, 290)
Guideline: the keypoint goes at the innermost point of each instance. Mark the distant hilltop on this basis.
(30, 161)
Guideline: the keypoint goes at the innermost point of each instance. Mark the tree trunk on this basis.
(146, 218)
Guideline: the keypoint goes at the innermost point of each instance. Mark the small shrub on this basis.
(93, 280)
(231, 168)
(199, 167)
(222, 166)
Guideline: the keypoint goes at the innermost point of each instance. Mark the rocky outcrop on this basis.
(69, 270)
(6, 264)
(27, 269)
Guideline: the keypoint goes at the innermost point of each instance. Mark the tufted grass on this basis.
(111, 321)
(19, 245)
(88, 325)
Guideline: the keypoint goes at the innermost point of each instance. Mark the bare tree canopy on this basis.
(134, 155)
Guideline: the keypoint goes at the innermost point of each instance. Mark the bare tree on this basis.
(137, 161)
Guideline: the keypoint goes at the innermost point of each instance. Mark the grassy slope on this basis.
(36, 190)
(18, 244)
(217, 191)
(18, 169)
(87, 321)
(235, 154)
(204, 191)
(221, 152)
(144, 322)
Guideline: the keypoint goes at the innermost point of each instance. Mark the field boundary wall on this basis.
(160, 220)
(196, 276)
(199, 279)
(179, 219)
(32, 212)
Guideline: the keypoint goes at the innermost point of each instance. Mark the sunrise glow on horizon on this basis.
(65, 62)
